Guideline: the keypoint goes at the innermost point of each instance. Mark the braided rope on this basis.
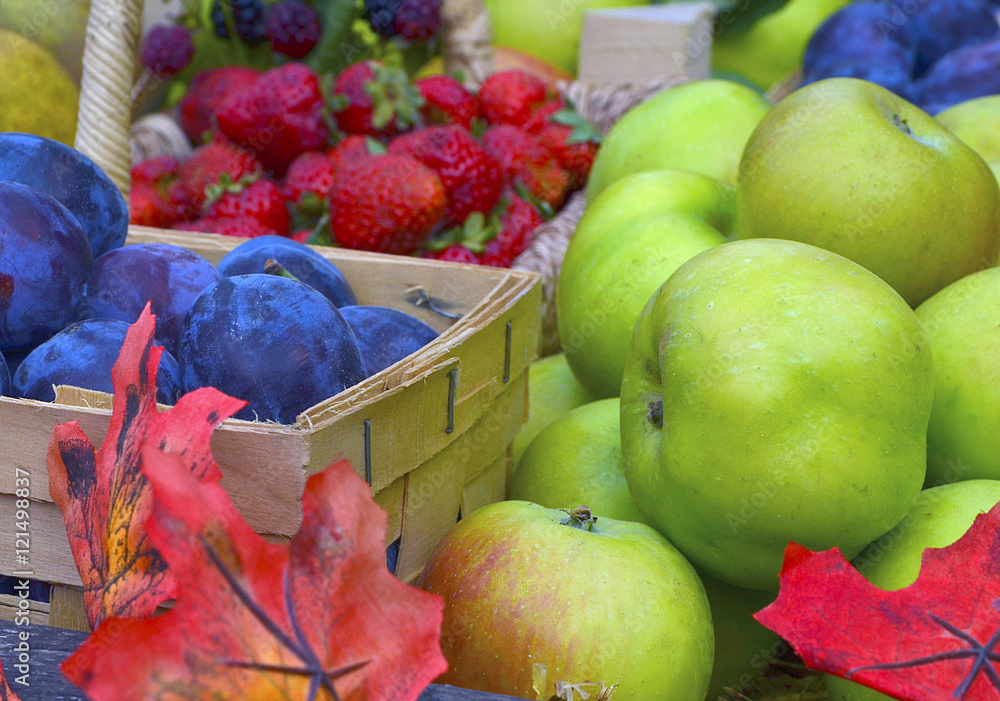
(105, 111)
(468, 48)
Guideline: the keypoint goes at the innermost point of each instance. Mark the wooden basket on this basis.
(431, 434)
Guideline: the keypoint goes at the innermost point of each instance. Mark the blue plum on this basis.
(82, 355)
(386, 335)
(942, 26)
(4, 377)
(167, 276)
(276, 343)
(70, 177)
(45, 259)
(863, 32)
(302, 262)
(964, 74)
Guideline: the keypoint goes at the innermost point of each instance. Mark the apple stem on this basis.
(580, 518)
(273, 267)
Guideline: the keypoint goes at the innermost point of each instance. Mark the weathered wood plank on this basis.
(47, 647)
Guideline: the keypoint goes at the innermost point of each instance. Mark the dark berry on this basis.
(381, 14)
(248, 19)
(167, 49)
(294, 28)
(418, 20)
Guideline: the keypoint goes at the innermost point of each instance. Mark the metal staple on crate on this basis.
(368, 451)
(452, 386)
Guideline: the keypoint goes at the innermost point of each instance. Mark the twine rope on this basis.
(468, 49)
(105, 112)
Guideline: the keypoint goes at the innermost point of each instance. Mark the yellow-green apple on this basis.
(549, 29)
(977, 123)
(772, 47)
(595, 328)
(846, 165)
(506, 58)
(577, 459)
(774, 392)
(963, 324)
(939, 516)
(600, 292)
(700, 126)
(552, 391)
(594, 601)
(743, 647)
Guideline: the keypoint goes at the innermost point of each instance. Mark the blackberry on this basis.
(248, 19)
(418, 20)
(167, 49)
(293, 27)
(381, 14)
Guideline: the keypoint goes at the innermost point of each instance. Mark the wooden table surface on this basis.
(49, 646)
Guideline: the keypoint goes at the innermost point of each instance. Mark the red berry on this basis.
(260, 200)
(205, 166)
(206, 92)
(389, 204)
(279, 116)
(472, 178)
(351, 150)
(511, 97)
(528, 161)
(371, 99)
(417, 20)
(446, 101)
(312, 172)
(159, 170)
(455, 253)
(148, 206)
(242, 227)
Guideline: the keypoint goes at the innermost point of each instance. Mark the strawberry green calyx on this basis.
(394, 96)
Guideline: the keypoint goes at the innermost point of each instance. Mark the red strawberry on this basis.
(528, 161)
(207, 90)
(511, 97)
(370, 98)
(573, 141)
(159, 171)
(388, 204)
(518, 221)
(472, 178)
(310, 173)
(204, 168)
(279, 116)
(148, 206)
(454, 253)
(242, 227)
(260, 200)
(446, 101)
(352, 149)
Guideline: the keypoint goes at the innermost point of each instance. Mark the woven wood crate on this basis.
(431, 434)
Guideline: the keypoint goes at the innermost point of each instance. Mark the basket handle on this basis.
(105, 113)
(468, 35)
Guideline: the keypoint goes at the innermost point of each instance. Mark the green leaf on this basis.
(740, 15)
(337, 46)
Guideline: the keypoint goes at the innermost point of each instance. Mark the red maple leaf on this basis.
(6, 693)
(936, 639)
(104, 496)
(318, 617)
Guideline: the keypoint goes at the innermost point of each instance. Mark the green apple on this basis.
(963, 324)
(774, 392)
(743, 647)
(577, 459)
(650, 193)
(600, 293)
(977, 123)
(700, 126)
(846, 165)
(552, 391)
(606, 601)
(772, 47)
(939, 516)
(548, 29)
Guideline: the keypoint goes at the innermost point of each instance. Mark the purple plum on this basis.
(386, 335)
(169, 277)
(45, 260)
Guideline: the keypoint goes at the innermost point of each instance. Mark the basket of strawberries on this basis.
(473, 165)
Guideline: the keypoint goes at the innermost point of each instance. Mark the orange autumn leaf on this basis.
(104, 496)
(6, 693)
(319, 617)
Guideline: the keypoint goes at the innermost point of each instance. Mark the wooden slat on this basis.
(48, 647)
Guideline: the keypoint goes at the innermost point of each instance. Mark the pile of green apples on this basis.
(778, 323)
